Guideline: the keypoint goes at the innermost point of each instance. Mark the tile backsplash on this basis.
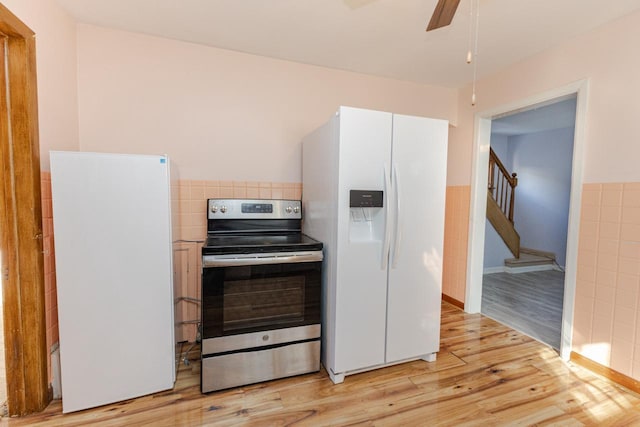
(607, 303)
(50, 293)
(456, 234)
(190, 198)
(189, 202)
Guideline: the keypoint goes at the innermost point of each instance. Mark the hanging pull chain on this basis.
(473, 58)
(470, 44)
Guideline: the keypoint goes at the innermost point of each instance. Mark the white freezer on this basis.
(383, 266)
(112, 228)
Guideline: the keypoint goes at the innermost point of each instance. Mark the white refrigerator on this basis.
(113, 252)
(374, 193)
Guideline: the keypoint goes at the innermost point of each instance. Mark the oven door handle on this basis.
(258, 259)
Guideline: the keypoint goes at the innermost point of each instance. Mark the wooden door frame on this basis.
(21, 245)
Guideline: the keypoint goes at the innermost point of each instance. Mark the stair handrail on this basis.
(502, 185)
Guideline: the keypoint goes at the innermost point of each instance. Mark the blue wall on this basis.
(543, 162)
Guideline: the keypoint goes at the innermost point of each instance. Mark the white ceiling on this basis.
(379, 37)
(557, 115)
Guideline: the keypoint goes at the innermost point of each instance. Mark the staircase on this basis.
(500, 201)
(500, 204)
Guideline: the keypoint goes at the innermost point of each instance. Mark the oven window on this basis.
(244, 299)
(264, 301)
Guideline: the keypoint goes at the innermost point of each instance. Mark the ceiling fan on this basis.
(443, 14)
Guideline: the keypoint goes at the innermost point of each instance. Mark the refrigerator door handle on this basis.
(387, 226)
(398, 229)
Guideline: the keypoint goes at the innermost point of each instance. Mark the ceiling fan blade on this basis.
(443, 14)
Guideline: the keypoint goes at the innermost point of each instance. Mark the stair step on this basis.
(527, 259)
(538, 252)
(503, 226)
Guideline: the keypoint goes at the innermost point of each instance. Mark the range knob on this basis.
(223, 209)
(289, 209)
(296, 209)
(214, 208)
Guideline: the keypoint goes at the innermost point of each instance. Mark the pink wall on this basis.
(224, 115)
(606, 58)
(608, 287)
(231, 122)
(219, 114)
(57, 73)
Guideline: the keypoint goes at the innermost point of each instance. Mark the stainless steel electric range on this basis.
(261, 293)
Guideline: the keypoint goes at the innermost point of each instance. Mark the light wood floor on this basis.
(3, 371)
(528, 302)
(486, 374)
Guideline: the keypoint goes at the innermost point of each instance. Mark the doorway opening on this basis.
(524, 290)
(479, 185)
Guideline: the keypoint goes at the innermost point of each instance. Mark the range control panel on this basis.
(253, 209)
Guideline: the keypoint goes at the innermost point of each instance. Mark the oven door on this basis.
(245, 293)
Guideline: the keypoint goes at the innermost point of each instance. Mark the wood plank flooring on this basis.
(486, 374)
(528, 302)
(3, 371)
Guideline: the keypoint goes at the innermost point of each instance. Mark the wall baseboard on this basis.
(492, 270)
(56, 384)
(610, 374)
(524, 269)
(453, 301)
(530, 268)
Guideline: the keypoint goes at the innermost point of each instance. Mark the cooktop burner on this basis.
(259, 243)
